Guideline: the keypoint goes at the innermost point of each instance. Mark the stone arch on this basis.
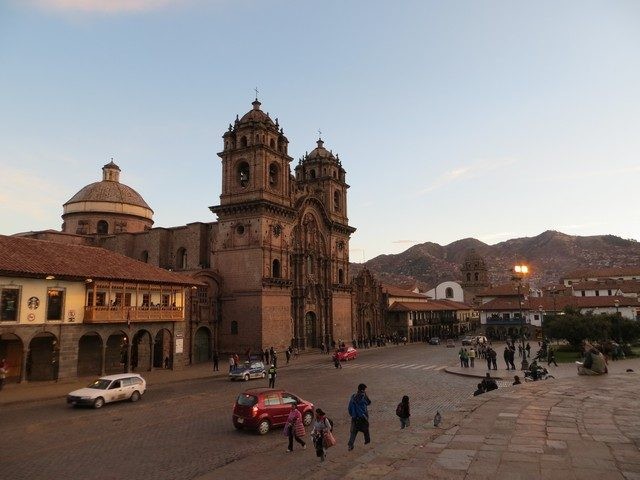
(89, 355)
(116, 354)
(181, 258)
(162, 350)
(102, 227)
(276, 270)
(201, 345)
(141, 351)
(448, 292)
(43, 358)
(311, 334)
(11, 348)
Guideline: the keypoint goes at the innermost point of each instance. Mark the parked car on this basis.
(345, 354)
(112, 388)
(262, 409)
(248, 370)
(434, 341)
(467, 340)
(450, 343)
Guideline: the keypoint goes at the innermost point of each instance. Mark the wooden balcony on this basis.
(132, 314)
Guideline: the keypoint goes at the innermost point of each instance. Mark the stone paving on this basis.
(573, 427)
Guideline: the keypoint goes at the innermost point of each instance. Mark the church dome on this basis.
(320, 153)
(256, 115)
(109, 190)
(107, 207)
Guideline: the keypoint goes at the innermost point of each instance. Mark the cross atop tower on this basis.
(256, 90)
(319, 134)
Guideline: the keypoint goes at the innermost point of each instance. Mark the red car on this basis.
(262, 409)
(345, 354)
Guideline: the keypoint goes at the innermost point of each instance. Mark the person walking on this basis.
(528, 349)
(287, 354)
(472, 356)
(4, 369)
(512, 357)
(231, 363)
(487, 356)
(321, 434)
(403, 411)
(551, 357)
(494, 359)
(505, 355)
(236, 361)
(358, 410)
(215, 361)
(294, 428)
(271, 374)
(266, 357)
(461, 357)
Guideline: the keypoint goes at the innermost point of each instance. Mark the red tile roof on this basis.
(505, 290)
(603, 272)
(394, 291)
(559, 303)
(627, 286)
(430, 306)
(25, 257)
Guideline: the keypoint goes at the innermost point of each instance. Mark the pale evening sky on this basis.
(453, 119)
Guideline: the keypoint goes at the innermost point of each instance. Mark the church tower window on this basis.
(340, 276)
(336, 201)
(273, 175)
(243, 174)
(476, 277)
(243, 142)
(312, 174)
(448, 293)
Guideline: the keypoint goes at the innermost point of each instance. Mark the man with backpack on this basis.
(359, 415)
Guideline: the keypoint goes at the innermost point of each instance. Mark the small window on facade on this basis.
(165, 299)
(144, 256)
(9, 301)
(273, 175)
(103, 227)
(234, 327)
(272, 143)
(336, 201)
(146, 300)
(243, 142)
(448, 293)
(243, 174)
(312, 174)
(505, 316)
(340, 276)
(597, 293)
(476, 277)
(203, 295)
(181, 258)
(468, 277)
(583, 293)
(609, 292)
(275, 272)
(55, 302)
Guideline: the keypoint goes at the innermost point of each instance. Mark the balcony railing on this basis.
(115, 314)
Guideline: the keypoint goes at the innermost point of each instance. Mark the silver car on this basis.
(112, 388)
(248, 370)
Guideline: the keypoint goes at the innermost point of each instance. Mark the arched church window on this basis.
(334, 174)
(144, 256)
(336, 201)
(476, 276)
(243, 141)
(103, 227)
(234, 327)
(181, 258)
(275, 270)
(340, 276)
(312, 174)
(243, 174)
(448, 293)
(273, 175)
(272, 143)
(468, 277)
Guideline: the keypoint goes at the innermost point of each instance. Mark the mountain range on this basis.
(549, 256)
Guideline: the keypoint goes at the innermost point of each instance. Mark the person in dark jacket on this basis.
(489, 383)
(403, 411)
(359, 414)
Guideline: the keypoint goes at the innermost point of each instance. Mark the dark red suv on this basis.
(264, 408)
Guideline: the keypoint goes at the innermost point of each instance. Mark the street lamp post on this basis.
(541, 311)
(617, 329)
(520, 271)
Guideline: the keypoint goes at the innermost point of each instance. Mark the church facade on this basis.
(273, 268)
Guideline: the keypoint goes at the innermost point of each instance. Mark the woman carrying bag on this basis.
(294, 428)
(321, 434)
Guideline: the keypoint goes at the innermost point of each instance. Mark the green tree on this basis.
(574, 327)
